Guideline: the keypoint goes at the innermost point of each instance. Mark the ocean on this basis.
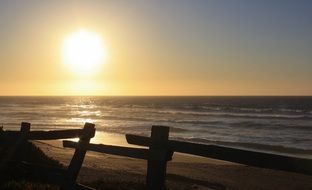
(282, 124)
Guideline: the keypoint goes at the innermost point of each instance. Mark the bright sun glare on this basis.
(83, 52)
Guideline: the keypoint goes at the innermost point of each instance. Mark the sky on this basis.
(200, 47)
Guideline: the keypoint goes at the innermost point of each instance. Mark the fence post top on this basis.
(89, 130)
(89, 125)
(25, 126)
(159, 136)
(160, 127)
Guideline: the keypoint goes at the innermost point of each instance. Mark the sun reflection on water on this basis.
(78, 120)
(107, 139)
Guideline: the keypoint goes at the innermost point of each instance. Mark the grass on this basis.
(17, 178)
(26, 185)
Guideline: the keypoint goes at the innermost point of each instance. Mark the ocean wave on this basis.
(155, 120)
(244, 115)
(234, 109)
(178, 130)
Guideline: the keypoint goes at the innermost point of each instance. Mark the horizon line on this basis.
(234, 95)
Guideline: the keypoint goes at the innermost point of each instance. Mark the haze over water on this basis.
(250, 122)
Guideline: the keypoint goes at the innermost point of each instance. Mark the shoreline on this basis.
(103, 137)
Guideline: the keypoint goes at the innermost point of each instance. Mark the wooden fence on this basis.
(66, 178)
(159, 152)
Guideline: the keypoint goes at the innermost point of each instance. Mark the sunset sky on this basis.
(180, 47)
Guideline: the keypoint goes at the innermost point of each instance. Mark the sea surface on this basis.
(268, 123)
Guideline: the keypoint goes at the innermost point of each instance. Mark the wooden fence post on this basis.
(25, 128)
(80, 152)
(158, 157)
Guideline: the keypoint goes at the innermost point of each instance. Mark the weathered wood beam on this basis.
(138, 140)
(58, 134)
(78, 157)
(46, 135)
(138, 153)
(247, 157)
(157, 160)
(80, 152)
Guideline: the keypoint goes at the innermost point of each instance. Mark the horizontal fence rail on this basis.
(247, 157)
(138, 153)
(46, 135)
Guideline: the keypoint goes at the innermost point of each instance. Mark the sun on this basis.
(83, 52)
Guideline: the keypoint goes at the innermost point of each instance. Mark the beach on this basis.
(183, 172)
(213, 95)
